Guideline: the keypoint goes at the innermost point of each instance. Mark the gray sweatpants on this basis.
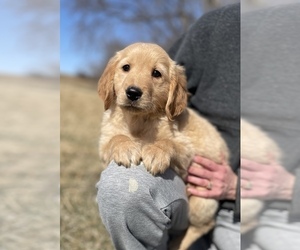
(225, 236)
(140, 211)
(275, 232)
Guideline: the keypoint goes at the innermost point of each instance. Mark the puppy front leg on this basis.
(122, 150)
(157, 156)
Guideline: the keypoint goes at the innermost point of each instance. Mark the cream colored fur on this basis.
(158, 129)
(257, 146)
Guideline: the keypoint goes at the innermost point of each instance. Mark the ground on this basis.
(80, 112)
(49, 164)
(29, 163)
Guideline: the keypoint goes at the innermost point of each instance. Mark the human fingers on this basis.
(200, 172)
(252, 165)
(257, 188)
(248, 175)
(246, 184)
(199, 181)
(206, 163)
(213, 193)
(256, 193)
(198, 193)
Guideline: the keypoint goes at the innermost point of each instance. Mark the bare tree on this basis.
(157, 20)
(105, 26)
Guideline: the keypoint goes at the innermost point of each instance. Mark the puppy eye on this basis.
(126, 67)
(156, 73)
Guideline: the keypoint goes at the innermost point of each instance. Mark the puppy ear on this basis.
(105, 83)
(177, 98)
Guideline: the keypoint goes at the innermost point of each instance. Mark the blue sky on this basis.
(25, 50)
(70, 60)
(14, 56)
(19, 53)
(77, 59)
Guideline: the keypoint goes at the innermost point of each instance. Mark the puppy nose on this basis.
(133, 93)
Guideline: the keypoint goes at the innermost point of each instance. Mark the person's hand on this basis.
(265, 181)
(218, 180)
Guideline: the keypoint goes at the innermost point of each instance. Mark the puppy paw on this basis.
(126, 154)
(122, 150)
(155, 159)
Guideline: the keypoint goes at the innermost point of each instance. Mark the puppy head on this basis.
(143, 79)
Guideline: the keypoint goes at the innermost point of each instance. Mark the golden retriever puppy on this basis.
(257, 146)
(147, 120)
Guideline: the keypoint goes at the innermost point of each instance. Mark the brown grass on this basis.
(81, 111)
(29, 163)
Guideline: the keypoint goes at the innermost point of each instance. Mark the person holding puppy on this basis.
(141, 211)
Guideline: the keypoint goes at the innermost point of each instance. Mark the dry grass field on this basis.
(29, 163)
(81, 111)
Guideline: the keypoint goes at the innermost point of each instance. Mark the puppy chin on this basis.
(131, 108)
(136, 107)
